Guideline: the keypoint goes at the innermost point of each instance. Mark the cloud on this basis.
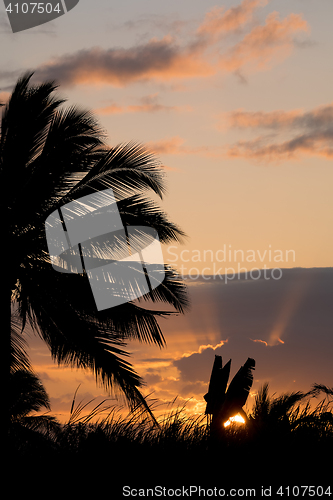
(148, 104)
(193, 366)
(264, 44)
(157, 59)
(284, 325)
(176, 146)
(259, 119)
(312, 133)
(153, 21)
(319, 117)
(218, 21)
(251, 315)
(172, 145)
(313, 144)
(259, 340)
(111, 109)
(166, 58)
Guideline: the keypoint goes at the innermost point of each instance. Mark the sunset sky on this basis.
(235, 98)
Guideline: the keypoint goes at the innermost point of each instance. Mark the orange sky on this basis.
(286, 326)
(235, 98)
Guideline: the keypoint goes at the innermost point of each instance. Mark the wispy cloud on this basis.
(273, 41)
(176, 146)
(311, 133)
(148, 104)
(203, 347)
(319, 117)
(219, 21)
(289, 134)
(169, 58)
(172, 145)
(312, 144)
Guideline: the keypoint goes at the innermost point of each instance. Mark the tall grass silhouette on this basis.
(287, 439)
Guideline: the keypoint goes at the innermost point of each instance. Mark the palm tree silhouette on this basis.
(49, 156)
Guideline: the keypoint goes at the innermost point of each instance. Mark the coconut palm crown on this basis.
(50, 155)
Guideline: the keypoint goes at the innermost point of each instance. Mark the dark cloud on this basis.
(312, 133)
(152, 378)
(286, 325)
(187, 390)
(316, 143)
(156, 59)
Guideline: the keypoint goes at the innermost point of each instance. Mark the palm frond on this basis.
(19, 359)
(44, 424)
(69, 149)
(127, 169)
(80, 339)
(139, 211)
(24, 127)
(27, 394)
(171, 291)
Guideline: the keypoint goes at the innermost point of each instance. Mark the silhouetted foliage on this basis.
(286, 440)
(50, 155)
(223, 403)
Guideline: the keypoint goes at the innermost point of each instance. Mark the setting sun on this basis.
(235, 419)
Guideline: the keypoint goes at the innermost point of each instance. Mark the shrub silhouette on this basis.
(287, 440)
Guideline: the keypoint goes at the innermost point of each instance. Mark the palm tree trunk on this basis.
(5, 299)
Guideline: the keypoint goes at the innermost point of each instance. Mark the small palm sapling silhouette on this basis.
(221, 403)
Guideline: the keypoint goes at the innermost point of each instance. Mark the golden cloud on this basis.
(167, 59)
(218, 21)
(264, 44)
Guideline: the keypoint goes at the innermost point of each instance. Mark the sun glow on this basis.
(235, 419)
